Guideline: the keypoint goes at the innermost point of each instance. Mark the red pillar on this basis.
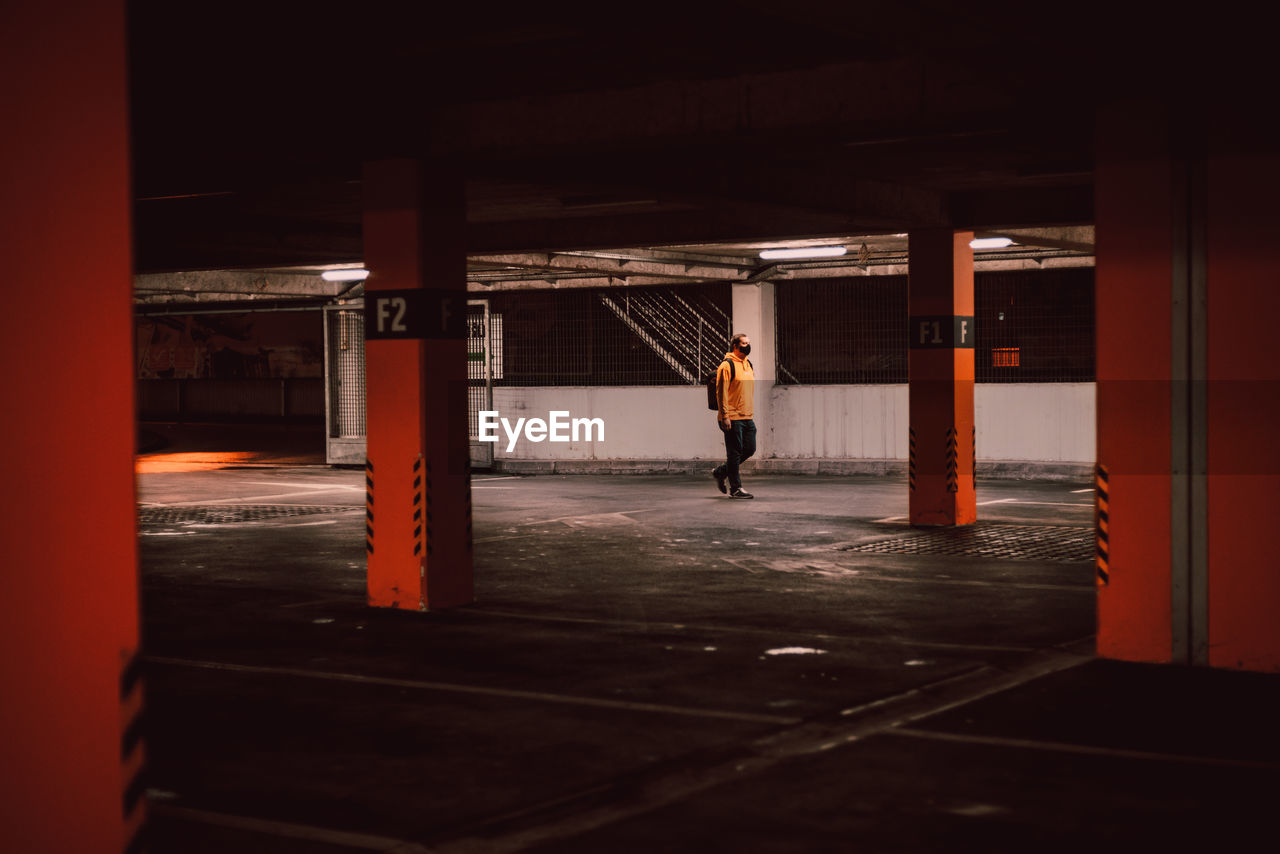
(418, 469)
(1188, 386)
(1243, 305)
(1134, 201)
(69, 754)
(941, 378)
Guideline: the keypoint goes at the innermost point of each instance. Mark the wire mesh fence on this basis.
(1031, 326)
(346, 373)
(609, 336)
(1034, 326)
(850, 330)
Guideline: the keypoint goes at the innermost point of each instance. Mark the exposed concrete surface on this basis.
(650, 666)
(994, 469)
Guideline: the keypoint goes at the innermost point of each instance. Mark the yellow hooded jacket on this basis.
(737, 396)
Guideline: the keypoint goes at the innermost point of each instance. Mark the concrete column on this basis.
(1242, 404)
(753, 313)
(1141, 286)
(71, 755)
(942, 433)
(418, 468)
(754, 309)
(1188, 386)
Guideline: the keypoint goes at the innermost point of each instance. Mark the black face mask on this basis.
(745, 349)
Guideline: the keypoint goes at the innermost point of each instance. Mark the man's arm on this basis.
(722, 394)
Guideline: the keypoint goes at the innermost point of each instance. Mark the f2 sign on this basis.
(941, 331)
(417, 313)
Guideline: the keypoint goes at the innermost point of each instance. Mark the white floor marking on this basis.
(504, 537)
(487, 479)
(765, 752)
(1057, 503)
(970, 582)
(244, 499)
(748, 630)
(998, 501)
(1061, 747)
(287, 830)
(539, 696)
(891, 519)
(568, 519)
(300, 485)
(1077, 491)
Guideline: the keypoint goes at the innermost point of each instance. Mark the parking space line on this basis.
(1088, 750)
(287, 830)
(318, 488)
(746, 630)
(448, 687)
(664, 787)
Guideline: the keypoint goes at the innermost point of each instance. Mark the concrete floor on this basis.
(650, 666)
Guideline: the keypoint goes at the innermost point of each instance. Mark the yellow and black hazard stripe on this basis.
(417, 506)
(911, 459)
(1102, 525)
(368, 506)
(133, 756)
(951, 455)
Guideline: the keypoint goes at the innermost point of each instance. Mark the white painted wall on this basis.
(1045, 422)
(1049, 422)
(867, 422)
(641, 422)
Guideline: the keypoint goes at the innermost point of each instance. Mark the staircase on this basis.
(688, 332)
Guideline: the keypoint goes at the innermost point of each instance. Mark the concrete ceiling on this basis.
(712, 127)
(865, 255)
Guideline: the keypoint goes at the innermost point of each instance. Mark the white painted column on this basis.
(754, 307)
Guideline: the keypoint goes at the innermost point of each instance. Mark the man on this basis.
(735, 390)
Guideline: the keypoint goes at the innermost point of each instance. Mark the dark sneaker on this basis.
(740, 493)
(720, 479)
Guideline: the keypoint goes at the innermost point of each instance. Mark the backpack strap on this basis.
(730, 361)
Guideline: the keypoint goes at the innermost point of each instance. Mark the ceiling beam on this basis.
(998, 209)
(205, 284)
(622, 267)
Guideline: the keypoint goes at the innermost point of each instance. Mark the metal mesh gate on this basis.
(344, 384)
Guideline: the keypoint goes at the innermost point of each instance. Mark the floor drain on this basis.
(222, 514)
(1051, 543)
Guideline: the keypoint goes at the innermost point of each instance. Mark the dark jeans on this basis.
(739, 445)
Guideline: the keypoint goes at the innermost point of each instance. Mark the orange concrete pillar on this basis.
(1243, 378)
(941, 378)
(1139, 243)
(70, 755)
(1188, 386)
(418, 469)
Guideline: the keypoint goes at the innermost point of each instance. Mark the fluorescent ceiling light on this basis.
(805, 252)
(990, 243)
(345, 275)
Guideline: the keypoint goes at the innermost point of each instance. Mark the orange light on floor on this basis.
(193, 461)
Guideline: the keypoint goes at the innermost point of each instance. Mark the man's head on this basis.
(740, 343)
